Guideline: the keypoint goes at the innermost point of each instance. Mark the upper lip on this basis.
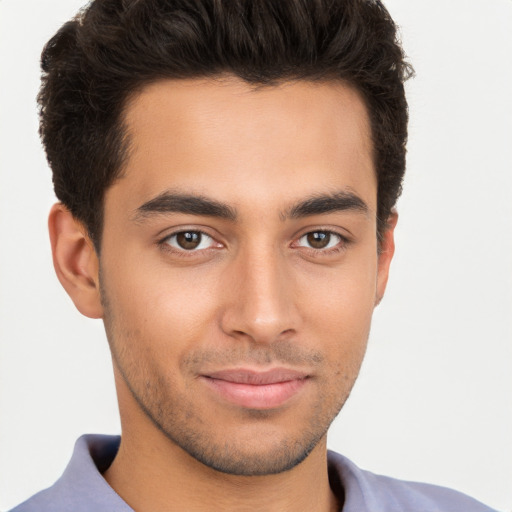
(257, 378)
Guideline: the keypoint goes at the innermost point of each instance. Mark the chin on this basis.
(240, 460)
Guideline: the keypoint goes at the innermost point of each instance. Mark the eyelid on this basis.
(343, 233)
(204, 239)
(163, 243)
(343, 240)
(330, 233)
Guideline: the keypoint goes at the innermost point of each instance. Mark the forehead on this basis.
(246, 142)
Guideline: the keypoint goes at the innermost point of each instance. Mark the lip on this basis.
(256, 389)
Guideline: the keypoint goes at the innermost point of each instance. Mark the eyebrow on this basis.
(172, 202)
(175, 202)
(328, 203)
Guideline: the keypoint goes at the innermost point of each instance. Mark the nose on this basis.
(260, 303)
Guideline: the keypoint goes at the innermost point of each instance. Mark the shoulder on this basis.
(81, 488)
(369, 492)
(41, 502)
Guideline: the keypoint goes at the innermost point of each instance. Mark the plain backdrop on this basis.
(433, 401)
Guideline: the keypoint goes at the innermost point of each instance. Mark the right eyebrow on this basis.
(175, 202)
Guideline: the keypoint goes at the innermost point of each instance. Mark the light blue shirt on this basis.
(82, 487)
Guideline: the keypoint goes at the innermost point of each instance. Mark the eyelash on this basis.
(342, 244)
(184, 253)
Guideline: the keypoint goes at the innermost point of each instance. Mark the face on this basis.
(239, 266)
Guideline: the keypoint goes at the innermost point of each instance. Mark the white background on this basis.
(433, 402)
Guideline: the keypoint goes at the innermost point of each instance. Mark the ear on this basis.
(387, 249)
(75, 261)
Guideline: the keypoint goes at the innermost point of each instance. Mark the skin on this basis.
(259, 292)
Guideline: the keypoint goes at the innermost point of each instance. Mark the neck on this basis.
(157, 476)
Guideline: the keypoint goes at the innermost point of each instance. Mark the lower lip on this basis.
(265, 396)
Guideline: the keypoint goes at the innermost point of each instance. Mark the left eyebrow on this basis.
(327, 203)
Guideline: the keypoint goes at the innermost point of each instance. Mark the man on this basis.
(227, 173)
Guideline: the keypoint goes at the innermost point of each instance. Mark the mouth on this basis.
(256, 389)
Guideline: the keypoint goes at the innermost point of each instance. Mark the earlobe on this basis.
(75, 261)
(387, 250)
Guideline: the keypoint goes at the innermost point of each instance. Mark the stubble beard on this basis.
(175, 415)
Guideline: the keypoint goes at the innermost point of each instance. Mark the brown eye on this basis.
(190, 240)
(318, 239)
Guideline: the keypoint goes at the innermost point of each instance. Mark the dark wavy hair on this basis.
(112, 48)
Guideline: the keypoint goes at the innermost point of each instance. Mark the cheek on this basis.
(339, 312)
(342, 298)
(157, 309)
